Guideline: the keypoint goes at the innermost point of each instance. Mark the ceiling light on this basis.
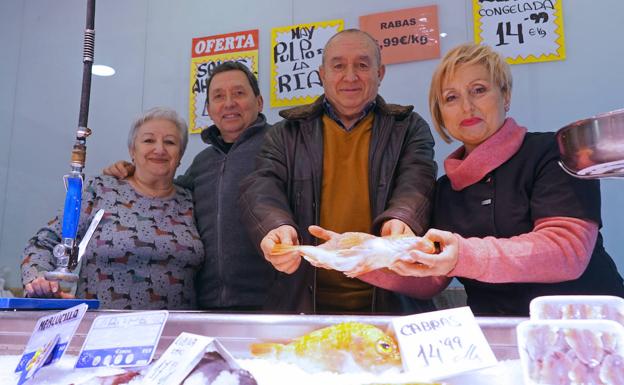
(102, 70)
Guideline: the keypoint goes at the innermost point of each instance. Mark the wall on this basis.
(148, 42)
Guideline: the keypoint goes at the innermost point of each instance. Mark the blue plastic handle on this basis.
(71, 213)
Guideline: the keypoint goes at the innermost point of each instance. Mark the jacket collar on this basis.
(315, 109)
(211, 135)
(486, 157)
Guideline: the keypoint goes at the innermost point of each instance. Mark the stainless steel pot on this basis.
(594, 147)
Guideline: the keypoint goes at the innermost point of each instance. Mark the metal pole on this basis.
(66, 252)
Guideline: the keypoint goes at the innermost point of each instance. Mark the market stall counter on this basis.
(236, 332)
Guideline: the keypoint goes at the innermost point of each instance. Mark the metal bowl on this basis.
(594, 147)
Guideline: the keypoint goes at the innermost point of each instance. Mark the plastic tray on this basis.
(578, 307)
(571, 351)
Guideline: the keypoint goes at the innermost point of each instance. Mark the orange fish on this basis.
(345, 347)
(358, 253)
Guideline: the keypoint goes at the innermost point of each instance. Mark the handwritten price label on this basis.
(442, 343)
(523, 31)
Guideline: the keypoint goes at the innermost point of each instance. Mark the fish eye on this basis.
(384, 347)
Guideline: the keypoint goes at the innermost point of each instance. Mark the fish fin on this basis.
(349, 240)
(281, 248)
(264, 349)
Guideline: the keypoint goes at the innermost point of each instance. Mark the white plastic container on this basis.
(578, 307)
(566, 352)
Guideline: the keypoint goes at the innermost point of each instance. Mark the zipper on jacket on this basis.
(219, 235)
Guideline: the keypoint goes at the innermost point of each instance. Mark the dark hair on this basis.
(234, 66)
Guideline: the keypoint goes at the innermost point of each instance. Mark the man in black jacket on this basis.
(234, 277)
(348, 162)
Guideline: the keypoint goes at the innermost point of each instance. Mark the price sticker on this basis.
(442, 343)
(523, 31)
(122, 340)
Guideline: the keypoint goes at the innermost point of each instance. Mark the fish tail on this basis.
(265, 349)
(281, 248)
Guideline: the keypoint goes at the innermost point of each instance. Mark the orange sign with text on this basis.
(406, 34)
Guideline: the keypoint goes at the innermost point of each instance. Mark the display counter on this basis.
(237, 331)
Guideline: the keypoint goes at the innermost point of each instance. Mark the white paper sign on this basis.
(178, 360)
(523, 31)
(61, 325)
(122, 340)
(442, 343)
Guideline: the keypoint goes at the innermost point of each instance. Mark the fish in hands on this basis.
(357, 253)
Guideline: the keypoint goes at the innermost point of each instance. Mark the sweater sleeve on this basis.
(558, 249)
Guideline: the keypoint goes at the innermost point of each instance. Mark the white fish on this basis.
(358, 253)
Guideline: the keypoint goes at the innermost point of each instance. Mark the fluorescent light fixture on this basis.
(102, 70)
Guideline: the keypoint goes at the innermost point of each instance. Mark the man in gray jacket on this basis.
(347, 162)
(234, 277)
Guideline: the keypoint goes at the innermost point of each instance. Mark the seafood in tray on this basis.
(565, 352)
(357, 253)
(578, 307)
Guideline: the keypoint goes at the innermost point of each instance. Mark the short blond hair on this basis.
(466, 54)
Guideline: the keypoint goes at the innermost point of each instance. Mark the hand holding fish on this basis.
(356, 253)
(288, 261)
(426, 264)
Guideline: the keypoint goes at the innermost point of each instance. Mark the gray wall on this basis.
(149, 42)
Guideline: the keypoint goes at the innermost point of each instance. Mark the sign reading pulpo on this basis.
(207, 53)
(523, 31)
(297, 54)
(406, 34)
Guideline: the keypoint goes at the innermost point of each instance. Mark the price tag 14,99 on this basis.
(442, 343)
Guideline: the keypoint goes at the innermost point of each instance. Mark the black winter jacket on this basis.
(285, 189)
(234, 274)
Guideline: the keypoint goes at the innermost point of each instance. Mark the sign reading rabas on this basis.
(49, 340)
(406, 34)
(442, 343)
(207, 53)
(523, 31)
(297, 54)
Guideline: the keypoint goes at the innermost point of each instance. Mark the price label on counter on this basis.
(122, 340)
(442, 343)
(523, 31)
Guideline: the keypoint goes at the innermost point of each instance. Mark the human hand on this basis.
(120, 169)
(287, 262)
(41, 287)
(424, 264)
(395, 227)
